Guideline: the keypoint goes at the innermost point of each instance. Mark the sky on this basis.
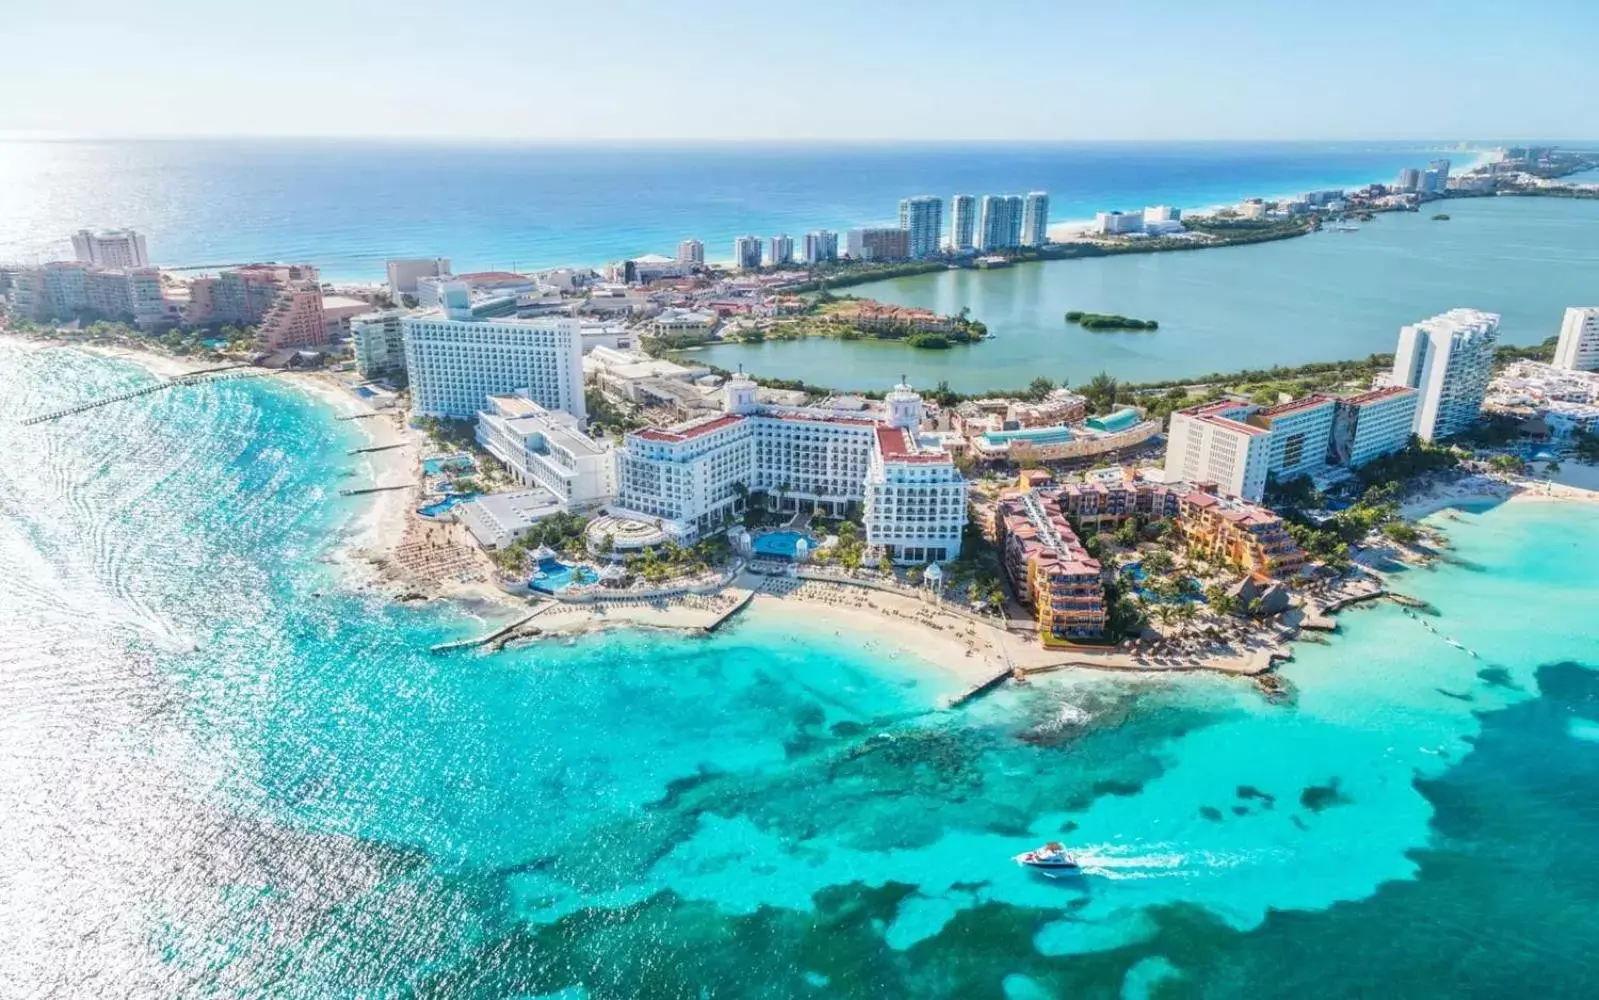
(818, 69)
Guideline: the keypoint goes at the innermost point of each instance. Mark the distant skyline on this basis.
(830, 70)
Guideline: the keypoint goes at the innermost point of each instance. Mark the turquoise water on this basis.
(520, 206)
(1328, 296)
(449, 503)
(783, 544)
(228, 773)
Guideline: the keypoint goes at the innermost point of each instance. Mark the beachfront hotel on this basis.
(1215, 443)
(1369, 425)
(780, 250)
(1578, 347)
(878, 243)
(962, 223)
(1449, 360)
(999, 222)
(378, 340)
(691, 253)
(747, 253)
(454, 360)
(63, 289)
(820, 246)
(695, 476)
(1035, 219)
(923, 218)
(1048, 568)
(404, 272)
(1241, 534)
(1301, 435)
(111, 248)
(546, 448)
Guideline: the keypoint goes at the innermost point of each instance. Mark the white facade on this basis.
(403, 273)
(1449, 359)
(698, 475)
(820, 246)
(379, 343)
(1162, 213)
(780, 250)
(548, 449)
(1118, 223)
(119, 248)
(923, 217)
(1372, 424)
(1409, 180)
(1578, 348)
(499, 519)
(999, 222)
(1213, 444)
(1035, 219)
(1301, 436)
(691, 253)
(454, 363)
(962, 223)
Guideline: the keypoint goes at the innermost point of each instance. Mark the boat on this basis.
(1052, 857)
(1345, 228)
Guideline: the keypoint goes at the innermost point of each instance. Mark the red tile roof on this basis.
(688, 433)
(1295, 405)
(895, 445)
(1375, 395)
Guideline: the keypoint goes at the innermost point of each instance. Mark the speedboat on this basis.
(1052, 857)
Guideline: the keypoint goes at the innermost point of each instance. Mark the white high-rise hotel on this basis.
(454, 360)
(696, 476)
(1448, 359)
(1578, 348)
(1035, 219)
(114, 248)
(923, 216)
(962, 223)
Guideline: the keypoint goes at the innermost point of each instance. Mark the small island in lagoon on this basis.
(1109, 321)
(1441, 217)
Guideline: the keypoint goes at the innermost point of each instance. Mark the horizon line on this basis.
(426, 138)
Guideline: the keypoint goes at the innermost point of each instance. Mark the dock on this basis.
(981, 688)
(359, 416)
(375, 489)
(377, 447)
(722, 618)
(195, 378)
(498, 634)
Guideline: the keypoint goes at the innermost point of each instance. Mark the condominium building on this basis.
(1435, 180)
(548, 448)
(923, 218)
(68, 288)
(747, 253)
(780, 250)
(1244, 535)
(1162, 213)
(1215, 443)
(379, 343)
(454, 361)
(1369, 425)
(1301, 435)
(878, 244)
(1048, 567)
(691, 253)
(1449, 359)
(118, 248)
(1035, 219)
(962, 223)
(1409, 180)
(698, 475)
(1578, 348)
(242, 295)
(820, 246)
(404, 272)
(999, 223)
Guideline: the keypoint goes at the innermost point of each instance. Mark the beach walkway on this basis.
(196, 378)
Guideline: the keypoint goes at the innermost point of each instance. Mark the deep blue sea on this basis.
(226, 774)
(348, 206)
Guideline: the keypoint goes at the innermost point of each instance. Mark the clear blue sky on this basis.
(845, 69)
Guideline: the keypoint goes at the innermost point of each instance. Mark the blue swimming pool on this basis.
(442, 507)
(553, 575)
(1135, 572)
(440, 464)
(782, 544)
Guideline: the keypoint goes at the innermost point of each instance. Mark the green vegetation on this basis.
(605, 416)
(561, 532)
(842, 274)
(1109, 321)
(1545, 352)
(1586, 446)
(1441, 217)
(928, 341)
(448, 432)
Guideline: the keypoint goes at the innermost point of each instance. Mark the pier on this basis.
(374, 489)
(722, 618)
(377, 447)
(194, 378)
(495, 636)
(359, 416)
(981, 688)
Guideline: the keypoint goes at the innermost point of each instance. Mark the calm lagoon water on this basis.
(1324, 297)
(228, 774)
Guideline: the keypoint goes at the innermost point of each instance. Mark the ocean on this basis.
(229, 774)
(349, 205)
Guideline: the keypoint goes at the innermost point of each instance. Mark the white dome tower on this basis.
(738, 395)
(904, 406)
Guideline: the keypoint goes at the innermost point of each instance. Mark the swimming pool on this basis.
(783, 544)
(1135, 572)
(553, 575)
(442, 507)
(440, 464)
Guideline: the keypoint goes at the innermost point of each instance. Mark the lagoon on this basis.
(1324, 297)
